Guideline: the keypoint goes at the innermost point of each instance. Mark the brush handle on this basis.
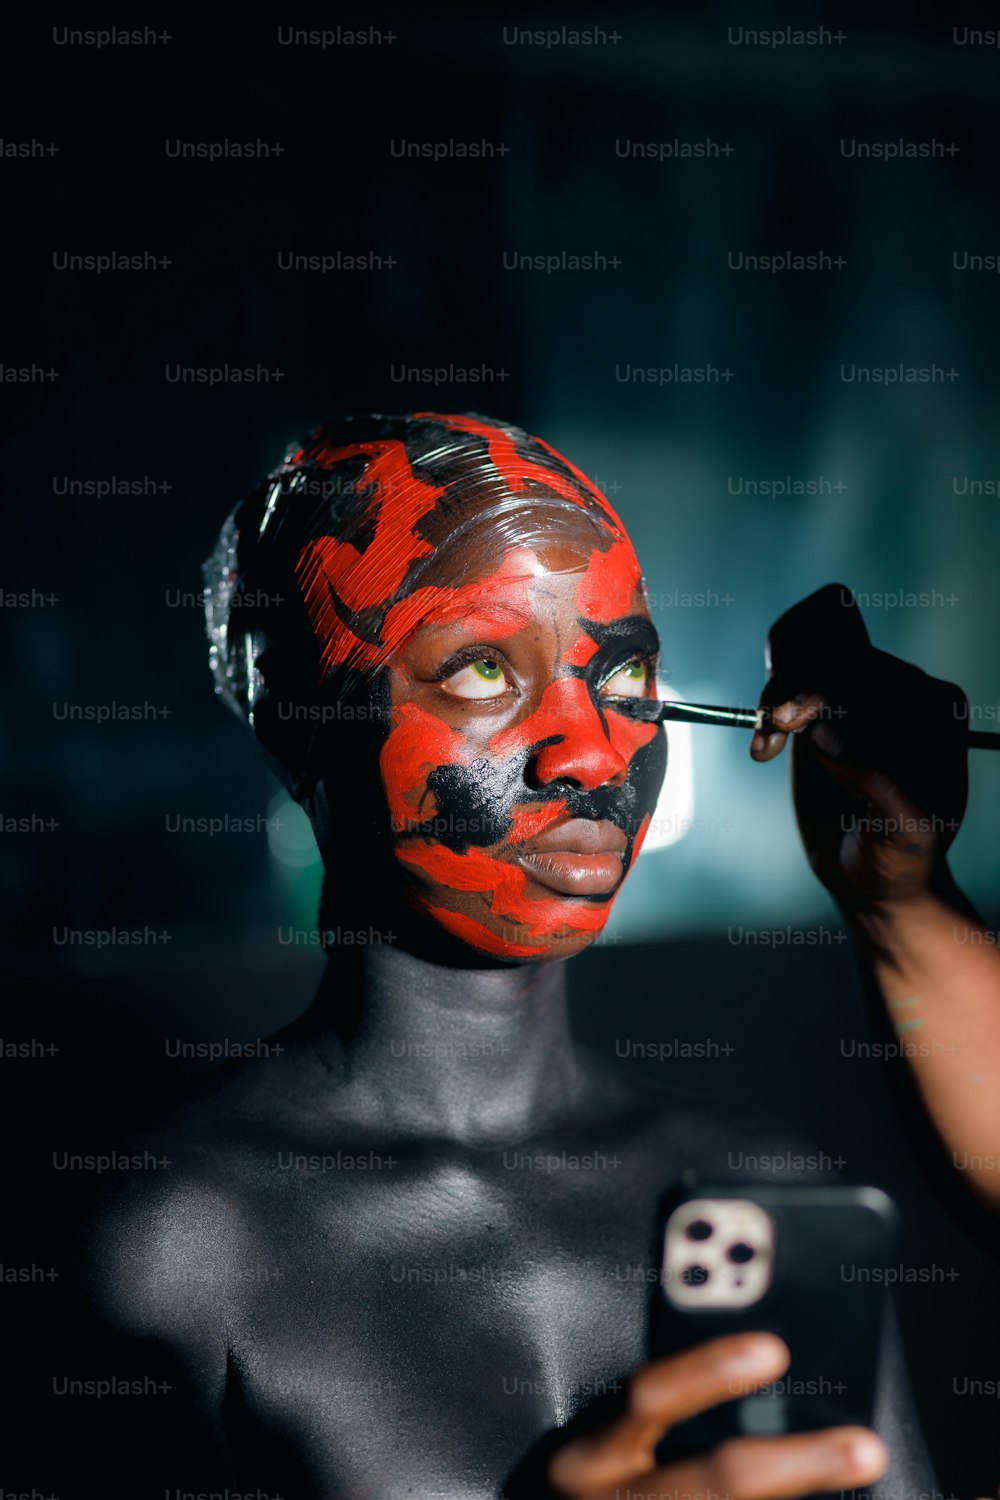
(746, 718)
(706, 713)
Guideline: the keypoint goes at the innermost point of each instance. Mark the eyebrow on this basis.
(480, 616)
(630, 629)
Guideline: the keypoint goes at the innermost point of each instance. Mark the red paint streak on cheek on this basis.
(471, 871)
(416, 744)
(606, 589)
(629, 735)
(468, 930)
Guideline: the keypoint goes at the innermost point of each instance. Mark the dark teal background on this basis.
(898, 512)
(889, 460)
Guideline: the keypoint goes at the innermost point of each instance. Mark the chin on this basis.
(517, 943)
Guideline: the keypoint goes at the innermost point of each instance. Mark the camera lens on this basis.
(741, 1253)
(700, 1229)
(695, 1275)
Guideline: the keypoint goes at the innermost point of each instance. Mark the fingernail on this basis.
(761, 1357)
(785, 713)
(865, 1453)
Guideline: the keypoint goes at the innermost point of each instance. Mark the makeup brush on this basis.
(823, 636)
(747, 718)
(658, 711)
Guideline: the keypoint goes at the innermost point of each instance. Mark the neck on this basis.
(478, 1055)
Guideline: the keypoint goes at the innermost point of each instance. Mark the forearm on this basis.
(938, 972)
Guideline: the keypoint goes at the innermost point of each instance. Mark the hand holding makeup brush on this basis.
(880, 786)
(879, 753)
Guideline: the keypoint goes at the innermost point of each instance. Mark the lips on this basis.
(580, 857)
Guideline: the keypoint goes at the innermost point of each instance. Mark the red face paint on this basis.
(362, 587)
(513, 820)
(331, 571)
(470, 805)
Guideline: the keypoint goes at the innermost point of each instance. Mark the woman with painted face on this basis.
(436, 627)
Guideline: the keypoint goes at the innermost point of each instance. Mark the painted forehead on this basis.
(421, 529)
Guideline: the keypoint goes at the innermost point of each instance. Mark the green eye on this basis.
(482, 678)
(630, 680)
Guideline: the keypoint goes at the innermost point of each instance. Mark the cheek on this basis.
(435, 783)
(646, 772)
(644, 747)
(477, 804)
(418, 744)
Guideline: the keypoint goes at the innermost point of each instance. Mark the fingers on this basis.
(896, 707)
(779, 720)
(839, 1458)
(660, 1394)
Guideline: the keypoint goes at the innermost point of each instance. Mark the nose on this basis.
(583, 753)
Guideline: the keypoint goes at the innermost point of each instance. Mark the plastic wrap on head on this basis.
(322, 572)
(236, 678)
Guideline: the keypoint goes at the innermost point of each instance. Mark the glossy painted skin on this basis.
(398, 1255)
(504, 770)
(364, 572)
(480, 785)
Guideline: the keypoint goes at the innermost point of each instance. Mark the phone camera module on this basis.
(717, 1253)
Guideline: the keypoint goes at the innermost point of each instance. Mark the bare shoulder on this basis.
(170, 1242)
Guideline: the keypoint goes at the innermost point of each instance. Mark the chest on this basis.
(428, 1321)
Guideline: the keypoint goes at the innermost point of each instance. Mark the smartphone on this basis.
(805, 1263)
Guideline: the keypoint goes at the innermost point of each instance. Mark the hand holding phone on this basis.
(806, 1264)
(622, 1456)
